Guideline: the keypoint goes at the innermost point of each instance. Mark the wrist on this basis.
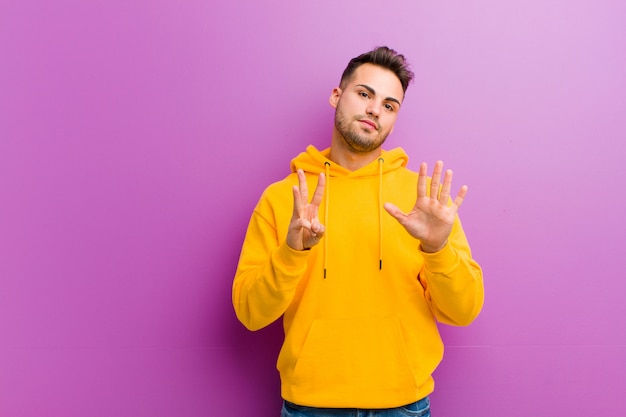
(432, 249)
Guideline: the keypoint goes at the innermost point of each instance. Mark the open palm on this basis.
(431, 218)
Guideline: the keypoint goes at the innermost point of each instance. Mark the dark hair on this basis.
(383, 57)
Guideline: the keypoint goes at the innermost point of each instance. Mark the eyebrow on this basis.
(373, 92)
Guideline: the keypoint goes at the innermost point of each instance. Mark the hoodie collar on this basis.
(314, 161)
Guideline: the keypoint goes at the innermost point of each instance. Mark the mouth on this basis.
(369, 124)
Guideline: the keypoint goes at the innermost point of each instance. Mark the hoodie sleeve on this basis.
(453, 281)
(268, 271)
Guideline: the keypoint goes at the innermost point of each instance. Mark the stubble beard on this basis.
(357, 142)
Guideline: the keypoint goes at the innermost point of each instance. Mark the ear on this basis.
(334, 97)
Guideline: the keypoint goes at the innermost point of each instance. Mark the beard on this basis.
(357, 140)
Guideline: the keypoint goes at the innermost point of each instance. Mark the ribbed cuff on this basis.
(291, 259)
(441, 262)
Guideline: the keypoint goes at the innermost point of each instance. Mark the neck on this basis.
(341, 154)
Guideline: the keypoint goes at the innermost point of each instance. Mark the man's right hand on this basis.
(305, 229)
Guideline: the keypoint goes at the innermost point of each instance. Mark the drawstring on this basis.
(381, 161)
(327, 192)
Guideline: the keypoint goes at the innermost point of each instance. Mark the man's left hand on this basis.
(432, 218)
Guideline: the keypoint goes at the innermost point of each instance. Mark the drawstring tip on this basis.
(324, 273)
(380, 264)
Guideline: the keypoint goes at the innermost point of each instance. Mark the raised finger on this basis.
(421, 180)
(304, 189)
(460, 197)
(445, 189)
(297, 202)
(436, 180)
(319, 190)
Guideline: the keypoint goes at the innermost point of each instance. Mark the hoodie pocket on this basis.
(346, 357)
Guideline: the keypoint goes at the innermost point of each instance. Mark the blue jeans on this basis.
(419, 408)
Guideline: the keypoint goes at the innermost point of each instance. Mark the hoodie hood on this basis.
(315, 162)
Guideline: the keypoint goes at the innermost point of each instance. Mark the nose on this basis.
(373, 108)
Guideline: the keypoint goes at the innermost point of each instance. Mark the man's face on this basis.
(366, 108)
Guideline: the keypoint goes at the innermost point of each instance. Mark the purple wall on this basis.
(136, 137)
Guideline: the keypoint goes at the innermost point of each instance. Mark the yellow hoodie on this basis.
(360, 308)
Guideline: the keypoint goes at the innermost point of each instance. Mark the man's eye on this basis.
(389, 107)
(364, 94)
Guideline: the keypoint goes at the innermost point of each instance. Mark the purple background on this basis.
(136, 137)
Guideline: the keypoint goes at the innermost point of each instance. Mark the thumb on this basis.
(317, 228)
(394, 211)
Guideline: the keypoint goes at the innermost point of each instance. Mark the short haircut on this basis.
(383, 57)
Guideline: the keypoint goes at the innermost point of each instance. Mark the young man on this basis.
(362, 272)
